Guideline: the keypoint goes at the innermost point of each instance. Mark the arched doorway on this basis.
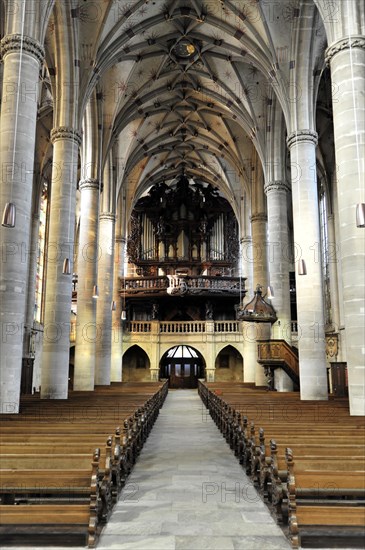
(136, 365)
(182, 366)
(229, 365)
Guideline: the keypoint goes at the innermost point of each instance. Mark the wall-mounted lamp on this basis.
(360, 214)
(9, 215)
(302, 268)
(95, 291)
(113, 306)
(66, 268)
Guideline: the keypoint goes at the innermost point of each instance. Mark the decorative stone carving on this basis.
(344, 44)
(332, 345)
(269, 374)
(14, 43)
(89, 183)
(302, 136)
(65, 132)
(277, 185)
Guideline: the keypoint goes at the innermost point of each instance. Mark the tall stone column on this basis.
(22, 57)
(278, 252)
(333, 274)
(248, 329)
(260, 276)
(88, 253)
(210, 352)
(311, 344)
(104, 312)
(346, 58)
(58, 297)
(32, 274)
(117, 331)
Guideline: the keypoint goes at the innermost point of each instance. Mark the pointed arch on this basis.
(229, 365)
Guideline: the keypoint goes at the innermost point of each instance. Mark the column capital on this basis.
(65, 132)
(15, 43)
(356, 41)
(260, 217)
(107, 216)
(301, 136)
(89, 184)
(276, 185)
(245, 240)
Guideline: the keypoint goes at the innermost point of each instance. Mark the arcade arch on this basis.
(136, 365)
(182, 365)
(229, 365)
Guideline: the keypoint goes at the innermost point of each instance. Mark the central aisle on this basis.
(188, 491)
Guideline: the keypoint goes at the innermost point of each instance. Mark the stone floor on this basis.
(188, 492)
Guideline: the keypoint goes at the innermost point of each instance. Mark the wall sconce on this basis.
(66, 268)
(95, 291)
(113, 306)
(302, 268)
(9, 215)
(360, 214)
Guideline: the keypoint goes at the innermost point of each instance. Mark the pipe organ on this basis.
(188, 226)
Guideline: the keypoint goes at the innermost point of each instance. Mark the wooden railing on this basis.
(175, 284)
(134, 284)
(278, 353)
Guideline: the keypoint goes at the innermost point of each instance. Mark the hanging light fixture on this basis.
(113, 306)
(95, 291)
(360, 214)
(66, 268)
(302, 268)
(123, 315)
(9, 215)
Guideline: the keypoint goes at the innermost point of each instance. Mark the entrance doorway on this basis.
(182, 366)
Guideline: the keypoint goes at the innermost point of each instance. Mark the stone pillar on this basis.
(210, 352)
(32, 274)
(58, 297)
(346, 58)
(22, 57)
(249, 336)
(117, 332)
(278, 251)
(88, 252)
(333, 274)
(104, 312)
(311, 344)
(260, 276)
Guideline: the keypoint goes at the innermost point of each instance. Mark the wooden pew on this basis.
(44, 457)
(325, 519)
(46, 518)
(329, 445)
